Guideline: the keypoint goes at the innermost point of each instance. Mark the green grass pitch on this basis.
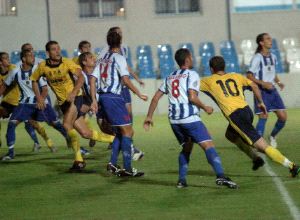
(38, 185)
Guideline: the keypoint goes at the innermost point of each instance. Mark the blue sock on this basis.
(260, 126)
(183, 161)
(11, 133)
(215, 161)
(126, 150)
(59, 127)
(30, 130)
(278, 126)
(115, 149)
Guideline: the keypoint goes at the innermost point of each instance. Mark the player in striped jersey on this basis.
(262, 71)
(182, 88)
(112, 72)
(136, 153)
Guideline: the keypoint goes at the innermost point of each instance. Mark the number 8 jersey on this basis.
(177, 86)
(227, 90)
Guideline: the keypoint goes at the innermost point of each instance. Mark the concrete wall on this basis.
(290, 95)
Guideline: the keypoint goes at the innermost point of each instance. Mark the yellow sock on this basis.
(75, 144)
(102, 137)
(276, 156)
(40, 130)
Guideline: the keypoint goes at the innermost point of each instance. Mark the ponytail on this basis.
(259, 38)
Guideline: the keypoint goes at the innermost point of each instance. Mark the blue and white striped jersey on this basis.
(109, 72)
(22, 78)
(86, 85)
(263, 67)
(177, 86)
(123, 51)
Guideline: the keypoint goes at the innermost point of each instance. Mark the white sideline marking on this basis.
(283, 191)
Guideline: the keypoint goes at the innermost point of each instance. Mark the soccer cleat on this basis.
(273, 141)
(8, 156)
(49, 143)
(137, 156)
(257, 163)
(36, 147)
(84, 151)
(112, 168)
(78, 166)
(132, 173)
(181, 184)
(295, 170)
(226, 181)
(92, 143)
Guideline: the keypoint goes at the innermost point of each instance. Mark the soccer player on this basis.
(60, 74)
(111, 72)
(136, 153)
(227, 91)
(27, 110)
(262, 71)
(182, 88)
(83, 46)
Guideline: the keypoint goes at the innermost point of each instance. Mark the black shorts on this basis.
(77, 102)
(9, 108)
(240, 122)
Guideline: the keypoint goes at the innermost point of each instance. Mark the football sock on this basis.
(215, 161)
(31, 132)
(134, 149)
(260, 126)
(115, 149)
(11, 133)
(276, 156)
(183, 160)
(246, 148)
(11, 150)
(40, 130)
(278, 126)
(102, 137)
(126, 151)
(75, 144)
(59, 127)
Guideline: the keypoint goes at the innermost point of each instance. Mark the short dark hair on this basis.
(113, 40)
(181, 55)
(259, 38)
(82, 57)
(24, 45)
(2, 54)
(217, 63)
(82, 43)
(24, 53)
(49, 44)
(113, 29)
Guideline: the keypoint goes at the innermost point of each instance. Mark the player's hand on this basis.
(71, 97)
(208, 109)
(147, 123)
(40, 103)
(281, 85)
(267, 85)
(94, 107)
(143, 97)
(262, 107)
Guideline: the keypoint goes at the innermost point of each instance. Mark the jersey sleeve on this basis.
(10, 78)
(194, 81)
(122, 66)
(73, 66)
(42, 82)
(163, 87)
(254, 65)
(204, 86)
(37, 73)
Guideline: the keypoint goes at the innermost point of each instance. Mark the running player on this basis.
(227, 91)
(182, 88)
(262, 71)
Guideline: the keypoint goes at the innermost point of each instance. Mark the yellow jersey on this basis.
(12, 93)
(227, 90)
(59, 77)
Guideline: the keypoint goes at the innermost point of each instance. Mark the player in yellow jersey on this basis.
(65, 79)
(227, 91)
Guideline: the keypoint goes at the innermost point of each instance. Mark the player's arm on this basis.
(154, 102)
(76, 70)
(277, 81)
(135, 76)
(7, 82)
(265, 85)
(193, 98)
(35, 77)
(257, 95)
(2, 87)
(94, 105)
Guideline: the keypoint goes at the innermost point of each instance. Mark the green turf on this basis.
(38, 186)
